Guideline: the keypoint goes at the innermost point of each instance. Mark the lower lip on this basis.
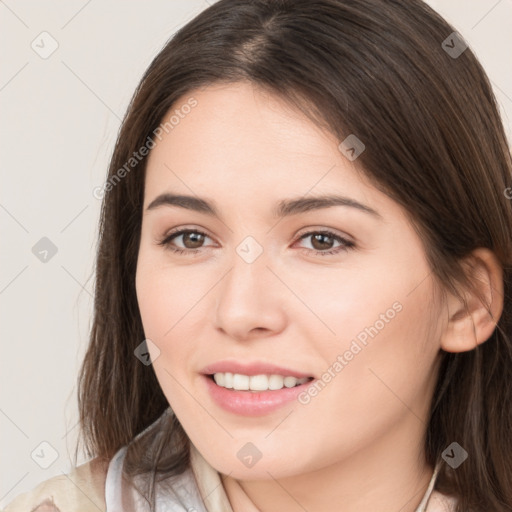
(252, 403)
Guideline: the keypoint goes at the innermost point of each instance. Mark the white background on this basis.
(60, 117)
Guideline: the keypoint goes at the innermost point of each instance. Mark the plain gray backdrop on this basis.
(68, 72)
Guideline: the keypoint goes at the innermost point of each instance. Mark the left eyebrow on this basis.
(283, 208)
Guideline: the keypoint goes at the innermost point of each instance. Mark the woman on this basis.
(304, 270)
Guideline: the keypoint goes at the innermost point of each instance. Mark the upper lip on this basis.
(252, 368)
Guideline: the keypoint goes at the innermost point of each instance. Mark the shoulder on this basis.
(80, 490)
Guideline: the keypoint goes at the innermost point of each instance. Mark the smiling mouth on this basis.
(256, 383)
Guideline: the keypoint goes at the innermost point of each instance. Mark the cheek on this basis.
(165, 293)
(152, 300)
(161, 305)
(157, 304)
(344, 304)
(382, 369)
(171, 304)
(381, 350)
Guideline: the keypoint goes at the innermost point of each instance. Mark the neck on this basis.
(388, 476)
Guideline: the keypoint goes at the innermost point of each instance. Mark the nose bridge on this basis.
(247, 296)
(248, 268)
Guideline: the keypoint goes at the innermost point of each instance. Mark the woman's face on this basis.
(263, 287)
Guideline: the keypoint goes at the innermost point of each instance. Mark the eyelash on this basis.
(346, 244)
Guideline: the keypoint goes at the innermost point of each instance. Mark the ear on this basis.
(470, 327)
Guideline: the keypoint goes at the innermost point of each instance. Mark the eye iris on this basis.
(197, 239)
(321, 237)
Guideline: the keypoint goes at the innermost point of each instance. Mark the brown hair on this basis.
(435, 144)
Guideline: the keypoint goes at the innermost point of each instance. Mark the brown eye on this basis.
(322, 243)
(192, 239)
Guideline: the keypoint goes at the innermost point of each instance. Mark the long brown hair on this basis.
(435, 144)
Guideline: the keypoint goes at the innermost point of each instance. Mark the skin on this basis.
(358, 444)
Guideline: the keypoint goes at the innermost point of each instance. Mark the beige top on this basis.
(97, 487)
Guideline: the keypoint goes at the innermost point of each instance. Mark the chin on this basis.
(240, 466)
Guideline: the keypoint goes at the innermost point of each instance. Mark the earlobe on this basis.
(472, 326)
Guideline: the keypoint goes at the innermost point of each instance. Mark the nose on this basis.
(250, 301)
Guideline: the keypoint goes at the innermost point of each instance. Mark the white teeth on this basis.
(289, 382)
(262, 382)
(220, 379)
(240, 382)
(228, 380)
(275, 382)
(258, 383)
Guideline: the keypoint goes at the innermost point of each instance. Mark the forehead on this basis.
(239, 139)
(240, 119)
